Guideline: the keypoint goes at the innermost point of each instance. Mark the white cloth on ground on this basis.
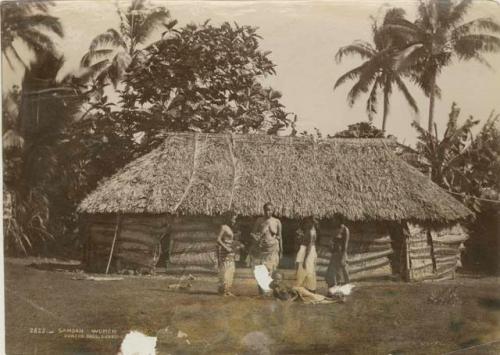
(344, 289)
(261, 274)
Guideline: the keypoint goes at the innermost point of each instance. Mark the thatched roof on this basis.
(208, 174)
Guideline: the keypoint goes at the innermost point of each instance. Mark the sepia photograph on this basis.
(250, 177)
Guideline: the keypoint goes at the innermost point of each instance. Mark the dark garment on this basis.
(281, 291)
(335, 270)
(339, 241)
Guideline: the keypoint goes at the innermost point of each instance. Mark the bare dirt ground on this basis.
(55, 310)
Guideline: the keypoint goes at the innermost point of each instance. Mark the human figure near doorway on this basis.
(306, 255)
(267, 244)
(338, 258)
(226, 247)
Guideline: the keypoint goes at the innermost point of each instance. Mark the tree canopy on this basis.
(204, 78)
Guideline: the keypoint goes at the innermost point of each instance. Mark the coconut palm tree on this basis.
(377, 71)
(437, 36)
(111, 52)
(29, 22)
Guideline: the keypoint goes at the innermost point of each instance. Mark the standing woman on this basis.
(226, 254)
(307, 256)
(338, 259)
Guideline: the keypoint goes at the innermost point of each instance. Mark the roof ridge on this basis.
(276, 137)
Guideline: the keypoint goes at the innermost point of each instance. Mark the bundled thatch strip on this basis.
(445, 251)
(383, 272)
(194, 174)
(369, 271)
(194, 236)
(159, 222)
(132, 246)
(180, 246)
(354, 258)
(200, 259)
(106, 237)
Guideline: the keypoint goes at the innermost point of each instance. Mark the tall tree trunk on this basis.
(386, 105)
(432, 97)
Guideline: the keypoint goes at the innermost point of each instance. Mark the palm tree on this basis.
(111, 52)
(378, 70)
(437, 36)
(29, 22)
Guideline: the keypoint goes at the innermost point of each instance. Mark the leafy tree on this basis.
(469, 168)
(437, 36)
(446, 156)
(111, 52)
(29, 22)
(378, 71)
(360, 130)
(33, 176)
(483, 173)
(203, 78)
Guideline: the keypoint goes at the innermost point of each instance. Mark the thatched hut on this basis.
(169, 202)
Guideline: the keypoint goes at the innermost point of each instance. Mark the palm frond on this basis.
(475, 26)
(363, 49)
(366, 78)
(14, 51)
(468, 46)
(109, 38)
(89, 57)
(403, 29)
(50, 23)
(409, 57)
(406, 93)
(458, 12)
(37, 41)
(350, 75)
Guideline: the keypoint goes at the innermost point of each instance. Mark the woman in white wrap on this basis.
(306, 256)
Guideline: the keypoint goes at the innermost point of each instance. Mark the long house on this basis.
(167, 204)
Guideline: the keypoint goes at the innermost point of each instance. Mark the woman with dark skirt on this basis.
(338, 259)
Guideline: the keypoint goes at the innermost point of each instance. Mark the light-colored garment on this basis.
(306, 271)
(344, 290)
(226, 275)
(261, 274)
(309, 297)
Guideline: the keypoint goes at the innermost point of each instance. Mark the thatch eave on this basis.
(208, 174)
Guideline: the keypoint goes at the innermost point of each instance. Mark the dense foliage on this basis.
(469, 168)
(34, 176)
(360, 130)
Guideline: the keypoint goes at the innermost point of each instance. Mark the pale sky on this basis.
(303, 37)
